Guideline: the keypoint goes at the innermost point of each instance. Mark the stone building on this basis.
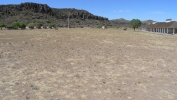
(169, 27)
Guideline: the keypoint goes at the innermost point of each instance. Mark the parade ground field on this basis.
(87, 64)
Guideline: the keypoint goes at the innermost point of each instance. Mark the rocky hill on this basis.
(120, 22)
(125, 23)
(33, 12)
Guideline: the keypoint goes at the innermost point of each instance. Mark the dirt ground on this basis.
(87, 64)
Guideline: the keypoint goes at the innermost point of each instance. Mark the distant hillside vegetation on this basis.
(120, 22)
(125, 23)
(41, 13)
(33, 12)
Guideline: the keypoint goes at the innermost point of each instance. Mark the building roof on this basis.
(163, 25)
(168, 19)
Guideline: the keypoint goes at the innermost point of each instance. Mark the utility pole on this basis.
(68, 19)
(83, 20)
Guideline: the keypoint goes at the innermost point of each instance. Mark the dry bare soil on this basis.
(87, 64)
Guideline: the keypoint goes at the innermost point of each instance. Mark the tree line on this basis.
(134, 23)
(21, 25)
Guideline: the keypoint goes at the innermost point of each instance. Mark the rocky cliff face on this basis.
(10, 9)
(120, 22)
(33, 12)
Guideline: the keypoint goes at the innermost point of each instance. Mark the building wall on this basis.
(175, 30)
(170, 30)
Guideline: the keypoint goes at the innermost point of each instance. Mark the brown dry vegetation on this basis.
(87, 64)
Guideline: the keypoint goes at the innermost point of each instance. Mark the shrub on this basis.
(73, 26)
(2, 25)
(31, 25)
(51, 25)
(117, 27)
(81, 27)
(15, 25)
(99, 26)
(22, 25)
(110, 26)
(39, 25)
(44, 27)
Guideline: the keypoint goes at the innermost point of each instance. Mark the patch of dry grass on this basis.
(87, 64)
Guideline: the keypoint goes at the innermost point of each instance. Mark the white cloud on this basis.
(158, 12)
(124, 11)
(127, 11)
(114, 11)
(121, 10)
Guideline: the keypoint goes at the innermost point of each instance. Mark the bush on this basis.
(31, 25)
(15, 25)
(44, 27)
(51, 25)
(99, 26)
(73, 26)
(22, 25)
(117, 27)
(39, 25)
(2, 25)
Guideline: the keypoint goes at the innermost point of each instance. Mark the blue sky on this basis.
(158, 10)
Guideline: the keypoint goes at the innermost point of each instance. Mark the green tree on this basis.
(51, 25)
(15, 25)
(39, 25)
(22, 25)
(2, 25)
(135, 23)
(31, 25)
